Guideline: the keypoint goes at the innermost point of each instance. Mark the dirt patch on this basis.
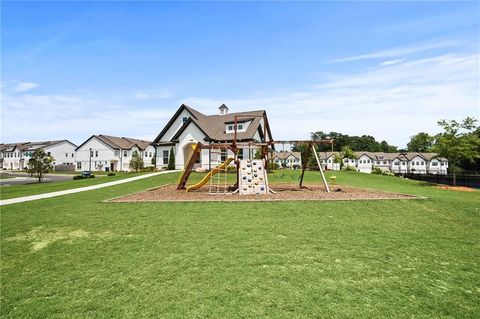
(283, 192)
(457, 188)
(40, 237)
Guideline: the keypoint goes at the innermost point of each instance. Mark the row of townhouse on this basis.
(186, 128)
(15, 156)
(97, 153)
(402, 163)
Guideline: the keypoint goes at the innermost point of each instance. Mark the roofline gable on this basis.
(184, 127)
(95, 136)
(172, 120)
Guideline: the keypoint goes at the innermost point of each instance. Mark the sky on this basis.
(387, 69)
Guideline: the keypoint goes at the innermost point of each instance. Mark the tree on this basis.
(458, 143)
(40, 164)
(357, 143)
(421, 142)
(136, 163)
(171, 160)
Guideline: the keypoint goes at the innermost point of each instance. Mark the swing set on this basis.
(251, 173)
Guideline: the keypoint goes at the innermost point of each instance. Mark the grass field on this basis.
(77, 257)
(47, 187)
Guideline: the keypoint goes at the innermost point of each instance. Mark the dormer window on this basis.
(241, 127)
(184, 119)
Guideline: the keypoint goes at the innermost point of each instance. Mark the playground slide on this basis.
(209, 175)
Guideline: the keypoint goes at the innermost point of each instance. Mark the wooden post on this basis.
(320, 168)
(304, 163)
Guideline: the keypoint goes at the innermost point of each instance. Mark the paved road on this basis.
(78, 190)
(24, 178)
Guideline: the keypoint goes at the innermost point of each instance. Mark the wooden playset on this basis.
(251, 173)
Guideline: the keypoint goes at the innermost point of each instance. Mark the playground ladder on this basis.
(218, 182)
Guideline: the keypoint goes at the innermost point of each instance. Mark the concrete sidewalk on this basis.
(78, 190)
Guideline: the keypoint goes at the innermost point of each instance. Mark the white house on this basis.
(111, 153)
(403, 163)
(365, 162)
(327, 159)
(288, 159)
(189, 126)
(15, 156)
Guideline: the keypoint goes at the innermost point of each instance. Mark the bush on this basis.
(75, 177)
(377, 171)
(350, 168)
(111, 174)
(231, 169)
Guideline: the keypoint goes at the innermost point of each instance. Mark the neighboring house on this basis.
(288, 159)
(111, 153)
(403, 163)
(327, 159)
(16, 155)
(188, 127)
(419, 163)
(365, 161)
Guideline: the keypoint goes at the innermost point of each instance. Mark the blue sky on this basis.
(389, 69)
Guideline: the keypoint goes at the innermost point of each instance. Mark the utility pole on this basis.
(90, 161)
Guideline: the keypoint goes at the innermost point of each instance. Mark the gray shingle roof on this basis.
(214, 126)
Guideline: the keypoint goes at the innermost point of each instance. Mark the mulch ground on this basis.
(283, 192)
(457, 188)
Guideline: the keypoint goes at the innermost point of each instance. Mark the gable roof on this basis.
(214, 126)
(285, 155)
(116, 143)
(31, 146)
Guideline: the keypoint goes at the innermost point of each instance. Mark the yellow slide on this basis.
(209, 175)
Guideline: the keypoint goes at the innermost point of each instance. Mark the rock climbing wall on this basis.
(252, 177)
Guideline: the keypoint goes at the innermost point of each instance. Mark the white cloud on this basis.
(24, 86)
(390, 102)
(392, 62)
(395, 52)
(155, 94)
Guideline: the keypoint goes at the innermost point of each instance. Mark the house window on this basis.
(223, 157)
(185, 119)
(423, 163)
(73, 154)
(150, 154)
(434, 163)
(49, 154)
(240, 127)
(125, 153)
(230, 128)
(96, 153)
(441, 164)
(79, 165)
(240, 154)
(165, 157)
(396, 163)
(115, 153)
(66, 154)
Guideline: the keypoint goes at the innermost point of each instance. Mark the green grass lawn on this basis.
(77, 257)
(6, 176)
(48, 187)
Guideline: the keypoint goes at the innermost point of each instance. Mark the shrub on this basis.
(91, 176)
(171, 160)
(111, 174)
(349, 168)
(231, 169)
(78, 177)
(377, 171)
